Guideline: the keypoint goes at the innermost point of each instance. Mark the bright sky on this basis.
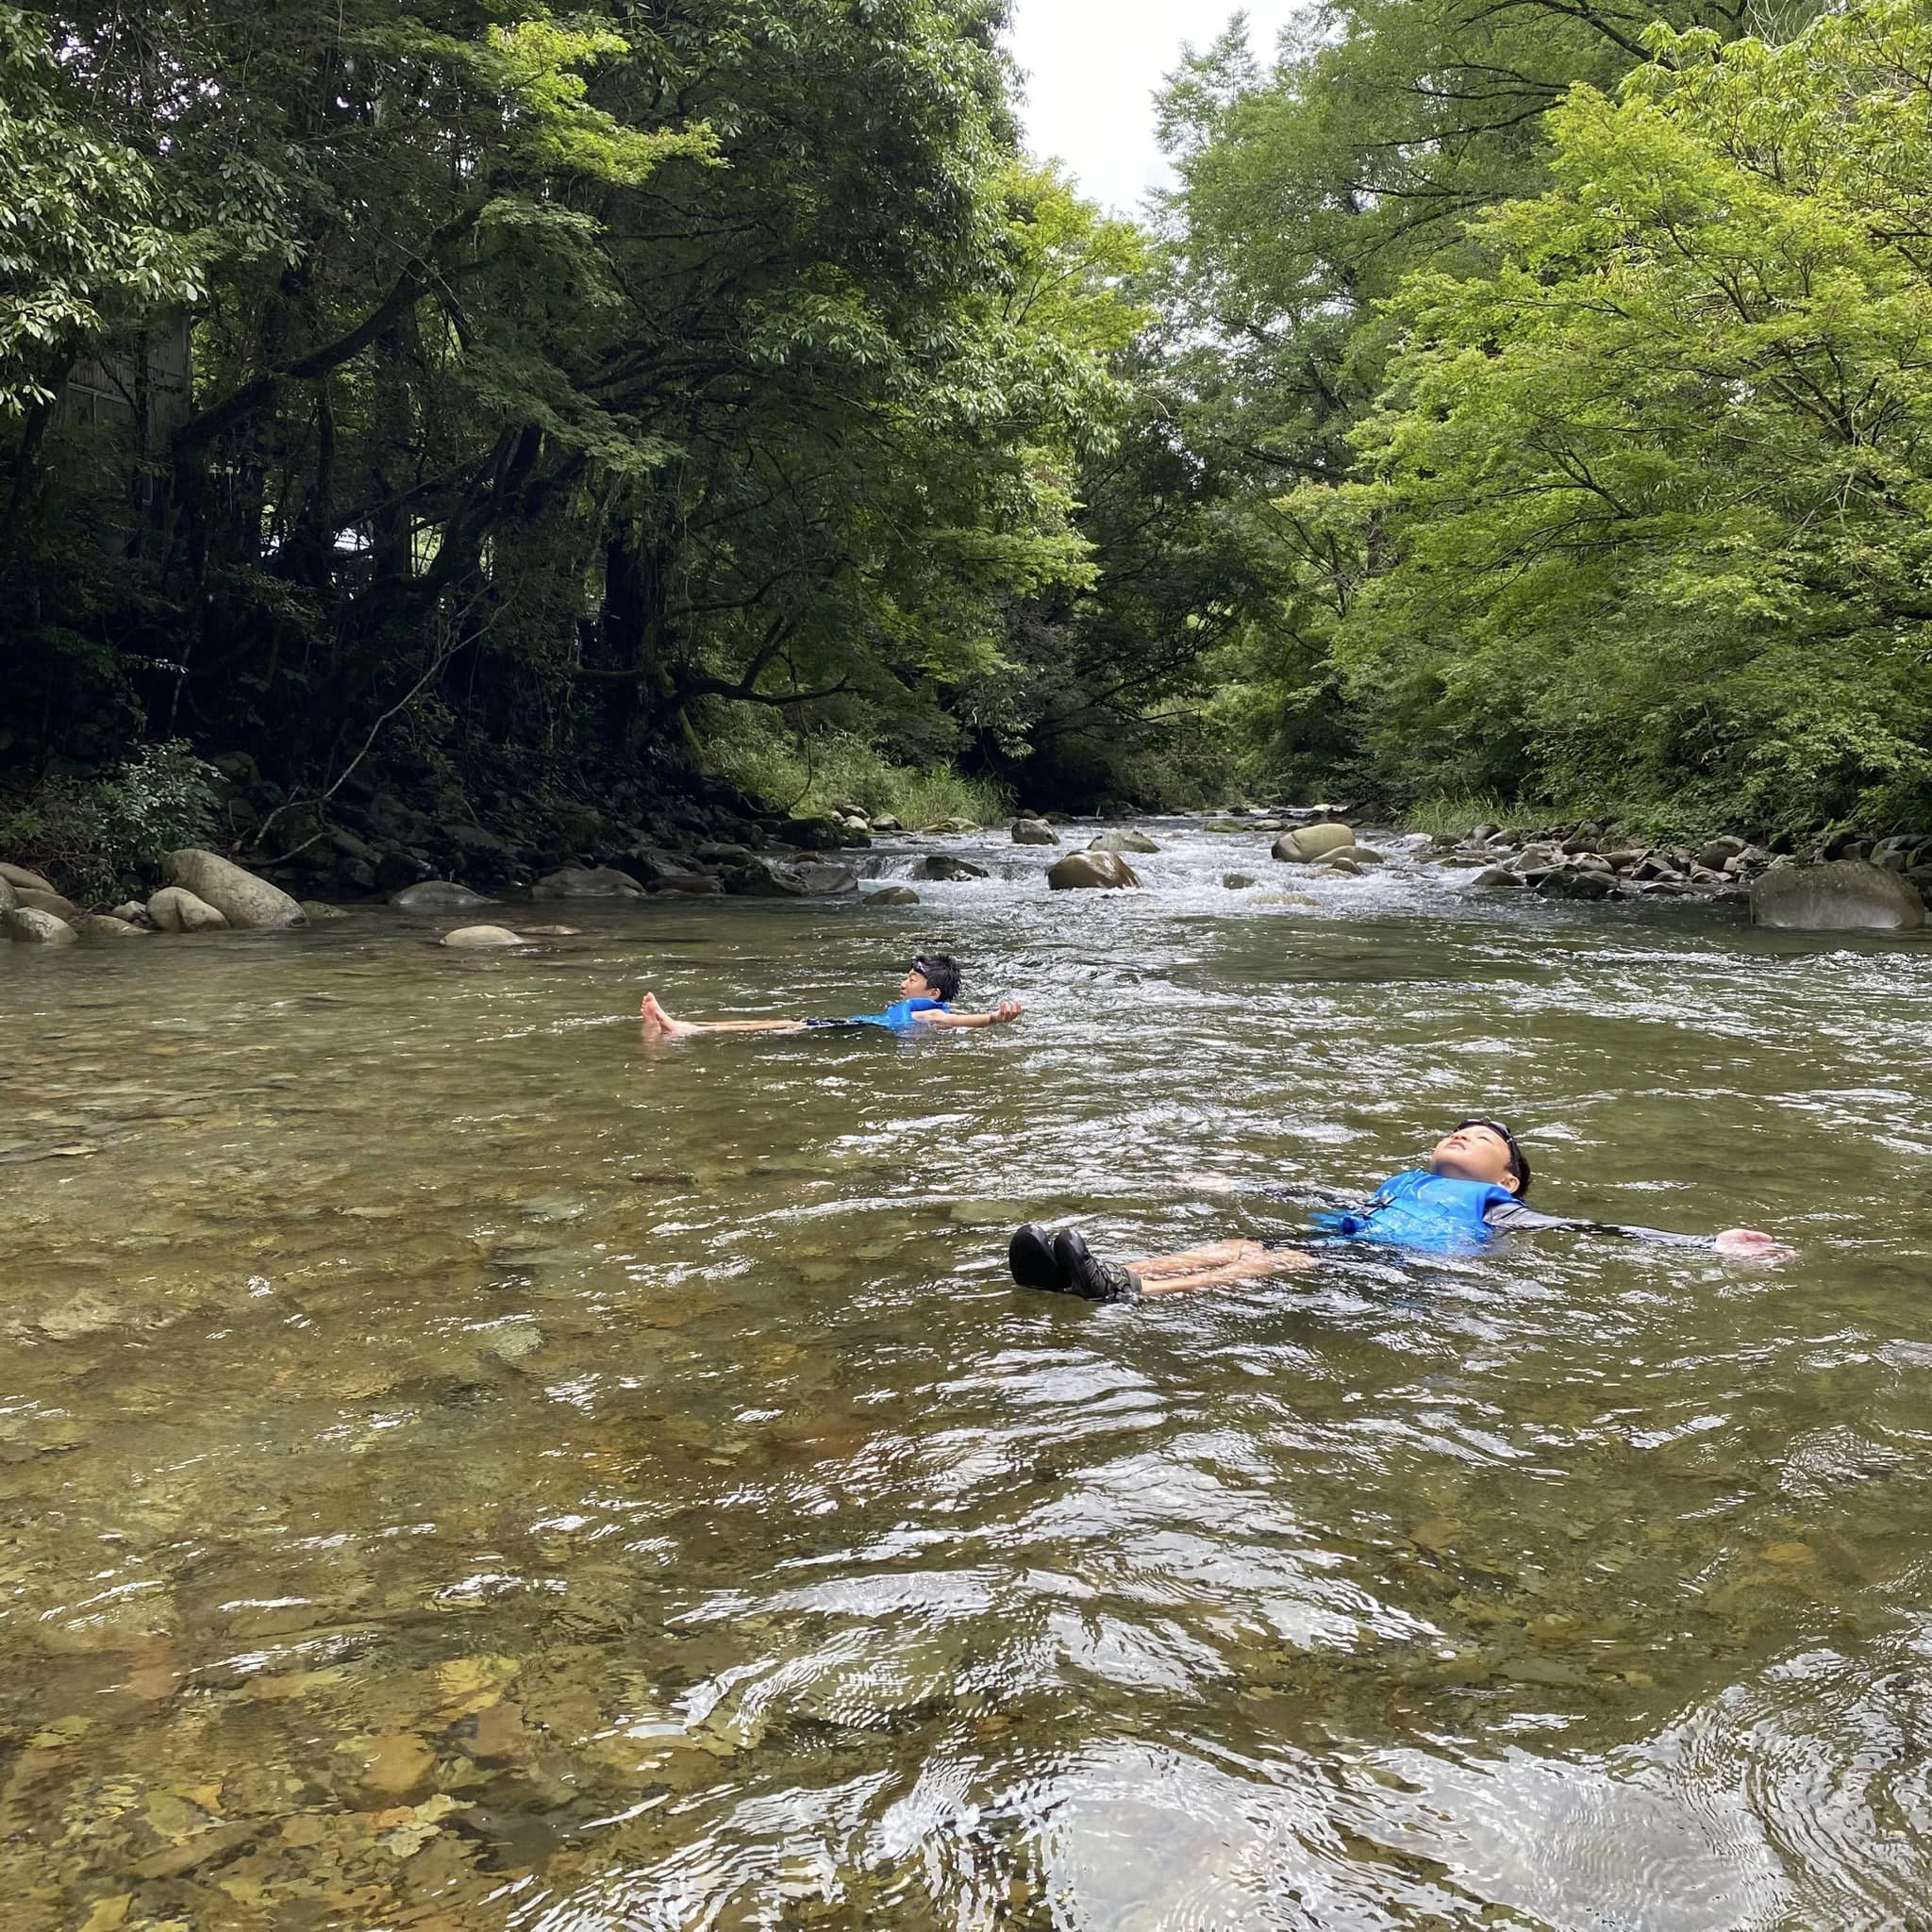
(1091, 68)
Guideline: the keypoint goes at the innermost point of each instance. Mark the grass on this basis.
(838, 769)
(1455, 817)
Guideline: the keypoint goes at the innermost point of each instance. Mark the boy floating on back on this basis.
(925, 1001)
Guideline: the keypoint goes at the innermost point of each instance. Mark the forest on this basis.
(546, 418)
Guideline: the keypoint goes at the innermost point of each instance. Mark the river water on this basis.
(469, 1467)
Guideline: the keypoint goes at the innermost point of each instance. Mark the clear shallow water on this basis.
(636, 1455)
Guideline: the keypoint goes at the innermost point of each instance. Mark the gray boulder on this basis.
(943, 865)
(132, 910)
(28, 926)
(319, 909)
(1357, 854)
(886, 823)
(823, 879)
(105, 927)
(1107, 870)
(1341, 862)
(174, 909)
(893, 895)
(59, 905)
(1308, 842)
(767, 878)
(236, 894)
(1846, 895)
(438, 895)
(19, 876)
(1034, 832)
(586, 882)
(477, 939)
(1494, 877)
(9, 896)
(1123, 842)
(1236, 881)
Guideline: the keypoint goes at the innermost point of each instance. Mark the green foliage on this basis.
(98, 834)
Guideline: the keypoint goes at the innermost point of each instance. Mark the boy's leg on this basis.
(1216, 1263)
(658, 1020)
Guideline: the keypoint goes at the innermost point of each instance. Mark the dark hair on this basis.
(941, 973)
(1518, 1162)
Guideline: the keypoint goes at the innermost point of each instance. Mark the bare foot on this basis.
(658, 1020)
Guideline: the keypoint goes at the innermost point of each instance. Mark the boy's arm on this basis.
(1745, 1242)
(1007, 1009)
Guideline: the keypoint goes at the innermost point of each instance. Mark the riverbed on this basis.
(469, 1466)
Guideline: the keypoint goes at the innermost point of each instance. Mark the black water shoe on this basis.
(1031, 1257)
(1087, 1274)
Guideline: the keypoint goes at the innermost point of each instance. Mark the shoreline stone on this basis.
(27, 925)
(174, 909)
(239, 895)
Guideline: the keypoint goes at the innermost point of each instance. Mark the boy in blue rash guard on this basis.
(925, 1004)
(1470, 1191)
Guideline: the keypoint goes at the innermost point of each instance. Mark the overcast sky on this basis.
(1091, 68)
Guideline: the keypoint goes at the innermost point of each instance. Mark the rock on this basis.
(30, 881)
(1494, 876)
(132, 910)
(689, 885)
(401, 1769)
(319, 910)
(822, 877)
(1310, 843)
(1846, 895)
(27, 925)
(1077, 868)
(438, 895)
(9, 896)
(1358, 854)
(887, 822)
(586, 882)
(477, 844)
(1034, 832)
(476, 938)
(954, 825)
(1236, 881)
(943, 865)
(204, 1848)
(719, 850)
(59, 905)
(236, 893)
(1580, 884)
(104, 925)
(893, 895)
(1123, 842)
(174, 909)
(1341, 862)
(767, 878)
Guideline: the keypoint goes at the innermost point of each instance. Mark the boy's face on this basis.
(1474, 1154)
(915, 986)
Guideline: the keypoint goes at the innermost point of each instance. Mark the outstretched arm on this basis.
(1740, 1244)
(1007, 1009)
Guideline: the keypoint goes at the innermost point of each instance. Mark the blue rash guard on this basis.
(1424, 1210)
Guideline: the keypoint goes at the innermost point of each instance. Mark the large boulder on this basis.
(586, 882)
(28, 926)
(8, 896)
(1034, 832)
(1120, 841)
(767, 878)
(174, 909)
(943, 865)
(1077, 868)
(1308, 842)
(19, 876)
(56, 902)
(438, 895)
(1847, 895)
(236, 894)
(823, 877)
(478, 938)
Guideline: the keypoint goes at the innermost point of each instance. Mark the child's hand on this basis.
(1752, 1244)
(1008, 1009)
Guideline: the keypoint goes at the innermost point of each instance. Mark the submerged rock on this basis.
(174, 909)
(1034, 832)
(1846, 895)
(27, 925)
(893, 895)
(319, 909)
(1310, 843)
(438, 895)
(103, 926)
(1122, 840)
(943, 865)
(586, 882)
(476, 938)
(1237, 881)
(236, 894)
(1107, 870)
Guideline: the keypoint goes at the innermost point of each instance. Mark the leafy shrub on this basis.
(95, 835)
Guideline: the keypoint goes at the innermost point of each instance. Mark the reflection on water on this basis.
(468, 1468)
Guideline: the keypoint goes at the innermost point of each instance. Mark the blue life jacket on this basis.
(1421, 1209)
(898, 1016)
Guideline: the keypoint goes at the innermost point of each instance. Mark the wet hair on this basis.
(1518, 1162)
(940, 972)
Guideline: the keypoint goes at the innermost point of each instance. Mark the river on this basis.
(467, 1466)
